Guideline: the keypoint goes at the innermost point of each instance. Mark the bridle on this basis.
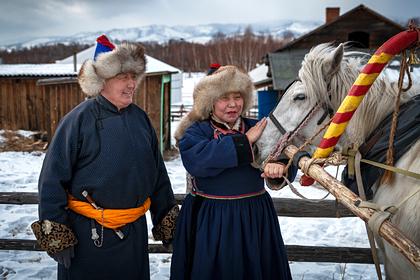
(328, 111)
(287, 136)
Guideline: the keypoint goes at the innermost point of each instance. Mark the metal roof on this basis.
(37, 70)
(284, 67)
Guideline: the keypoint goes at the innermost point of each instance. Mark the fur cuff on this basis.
(53, 237)
(165, 230)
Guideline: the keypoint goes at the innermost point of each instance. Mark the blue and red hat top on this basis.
(213, 68)
(103, 45)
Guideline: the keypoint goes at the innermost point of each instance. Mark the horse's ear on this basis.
(333, 62)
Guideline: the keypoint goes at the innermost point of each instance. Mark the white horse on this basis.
(326, 75)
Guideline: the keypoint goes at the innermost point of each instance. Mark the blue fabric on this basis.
(214, 162)
(115, 157)
(234, 239)
(100, 49)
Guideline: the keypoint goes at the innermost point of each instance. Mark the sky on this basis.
(28, 19)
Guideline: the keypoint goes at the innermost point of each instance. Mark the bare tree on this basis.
(242, 49)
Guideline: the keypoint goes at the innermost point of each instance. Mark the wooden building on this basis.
(35, 97)
(362, 27)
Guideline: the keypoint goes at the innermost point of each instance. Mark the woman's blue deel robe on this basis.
(233, 239)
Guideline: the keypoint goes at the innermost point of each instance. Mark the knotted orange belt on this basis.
(109, 218)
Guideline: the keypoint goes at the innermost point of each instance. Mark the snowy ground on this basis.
(19, 173)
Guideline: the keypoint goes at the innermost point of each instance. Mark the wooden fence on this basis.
(178, 111)
(284, 207)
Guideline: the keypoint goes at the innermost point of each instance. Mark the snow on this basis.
(259, 73)
(50, 69)
(19, 172)
(153, 65)
(190, 80)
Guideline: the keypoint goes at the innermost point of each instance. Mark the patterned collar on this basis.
(236, 126)
(224, 128)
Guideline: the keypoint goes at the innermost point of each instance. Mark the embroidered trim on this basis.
(228, 197)
(53, 237)
(219, 130)
(164, 231)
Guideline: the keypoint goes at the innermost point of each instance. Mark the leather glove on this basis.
(167, 244)
(64, 257)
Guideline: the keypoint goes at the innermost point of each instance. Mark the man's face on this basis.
(119, 90)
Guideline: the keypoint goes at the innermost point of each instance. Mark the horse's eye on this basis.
(300, 96)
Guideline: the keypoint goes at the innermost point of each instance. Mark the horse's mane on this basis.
(377, 104)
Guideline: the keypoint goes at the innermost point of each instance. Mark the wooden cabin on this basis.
(364, 28)
(36, 96)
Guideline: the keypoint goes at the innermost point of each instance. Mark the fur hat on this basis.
(124, 58)
(226, 79)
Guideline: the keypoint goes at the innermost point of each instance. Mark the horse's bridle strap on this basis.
(277, 123)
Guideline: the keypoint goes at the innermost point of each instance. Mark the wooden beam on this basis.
(19, 198)
(294, 252)
(285, 207)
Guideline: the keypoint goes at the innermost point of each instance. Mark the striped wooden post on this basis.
(360, 87)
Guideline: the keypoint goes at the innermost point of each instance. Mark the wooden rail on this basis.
(178, 111)
(294, 252)
(284, 207)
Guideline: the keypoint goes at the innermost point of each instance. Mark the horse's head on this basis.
(306, 104)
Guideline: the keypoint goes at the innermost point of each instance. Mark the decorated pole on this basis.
(360, 87)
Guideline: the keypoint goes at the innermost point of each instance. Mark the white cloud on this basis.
(26, 18)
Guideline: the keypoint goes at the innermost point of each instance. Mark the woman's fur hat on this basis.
(226, 79)
(124, 58)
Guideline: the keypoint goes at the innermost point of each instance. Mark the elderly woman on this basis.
(227, 228)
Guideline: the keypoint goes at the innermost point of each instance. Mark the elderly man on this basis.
(103, 171)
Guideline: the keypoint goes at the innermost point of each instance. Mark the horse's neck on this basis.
(377, 104)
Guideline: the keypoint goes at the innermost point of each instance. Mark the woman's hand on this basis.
(254, 133)
(273, 170)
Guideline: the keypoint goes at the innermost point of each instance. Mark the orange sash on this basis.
(109, 218)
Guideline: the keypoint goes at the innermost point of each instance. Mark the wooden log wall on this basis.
(376, 27)
(148, 98)
(21, 102)
(59, 99)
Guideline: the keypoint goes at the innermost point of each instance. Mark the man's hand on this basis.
(64, 257)
(273, 170)
(254, 133)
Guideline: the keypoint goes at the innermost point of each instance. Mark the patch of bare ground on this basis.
(13, 141)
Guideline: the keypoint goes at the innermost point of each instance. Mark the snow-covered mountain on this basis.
(163, 33)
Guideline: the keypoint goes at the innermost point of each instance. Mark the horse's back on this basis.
(407, 217)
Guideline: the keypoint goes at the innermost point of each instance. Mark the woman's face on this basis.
(229, 107)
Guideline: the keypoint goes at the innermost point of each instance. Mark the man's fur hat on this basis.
(226, 79)
(124, 58)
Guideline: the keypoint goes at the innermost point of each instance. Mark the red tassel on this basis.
(306, 181)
